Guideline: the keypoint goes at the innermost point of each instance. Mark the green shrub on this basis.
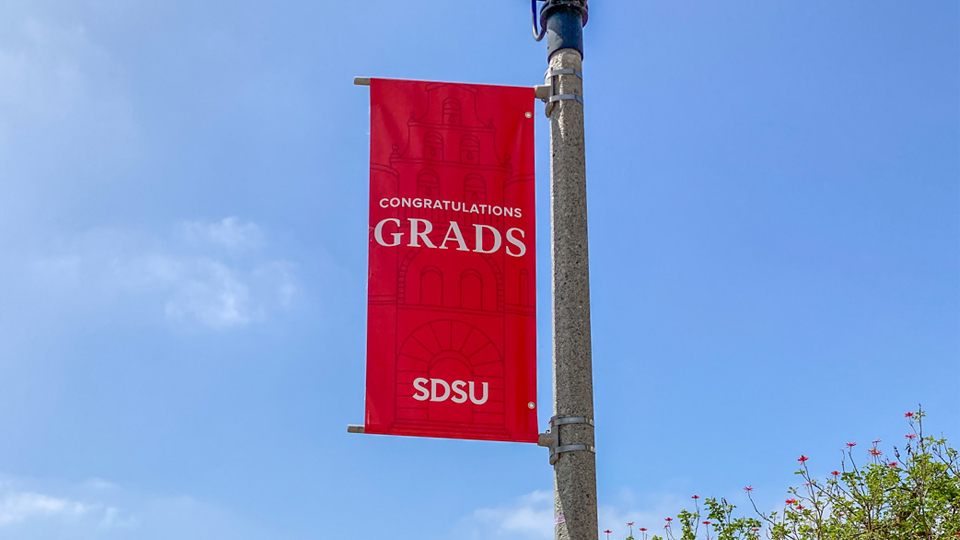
(912, 495)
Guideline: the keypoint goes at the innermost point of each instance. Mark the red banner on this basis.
(451, 315)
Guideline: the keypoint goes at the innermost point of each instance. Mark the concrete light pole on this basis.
(571, 436)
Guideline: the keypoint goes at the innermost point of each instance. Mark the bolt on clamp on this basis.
(551, 438)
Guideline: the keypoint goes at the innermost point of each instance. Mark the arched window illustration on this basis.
(524, 288)
(470, 150)
(451, 111)
(433, 146)
(428, 184)
(431, 287)
(451, 350)
(474, 189)
(471, 290)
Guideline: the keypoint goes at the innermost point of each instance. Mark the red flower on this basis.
(695, 497)
(892, 464)
(908, 415)
(608, 531)
(799, 507)
(668, 519)
(835, 473)
(707, 522)
(851, 444)
(748, 488)
(754, 529)
(643, 529)
(874, 452)
(630, 524)
(790, 501)
(802, 458)
(911, 436)
(876, 441)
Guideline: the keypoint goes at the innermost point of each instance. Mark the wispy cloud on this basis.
(230, 233)
(647, 511)
(32, 509)
(529, 517)
(212, 273)
(17, 507)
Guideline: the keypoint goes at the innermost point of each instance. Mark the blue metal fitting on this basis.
(563, 22)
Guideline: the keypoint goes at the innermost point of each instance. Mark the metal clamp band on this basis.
(551, 439)
(556, 451)
(551, 87)
(554, 72)
(566, 97)
(575, 448)
(564, 420)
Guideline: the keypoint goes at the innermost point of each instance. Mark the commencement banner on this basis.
(451, 315)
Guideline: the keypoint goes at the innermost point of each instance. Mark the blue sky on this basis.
(774, 216)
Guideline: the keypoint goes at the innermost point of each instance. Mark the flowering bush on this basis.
(913, 496)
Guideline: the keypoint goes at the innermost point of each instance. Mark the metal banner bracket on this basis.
(564, 420)
(554, 72)
(565, 97)
(551, 439)
(547, 92)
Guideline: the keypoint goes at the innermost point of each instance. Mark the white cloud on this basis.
(649, 513)
(100, 484)
(529, 517)
(114, 518)
(230, 233)
(22, 507)
(211, 293)
(17, 507)
(32, 509)
(183, 279)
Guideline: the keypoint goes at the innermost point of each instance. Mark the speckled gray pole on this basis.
(575, 473)
(570, 437)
